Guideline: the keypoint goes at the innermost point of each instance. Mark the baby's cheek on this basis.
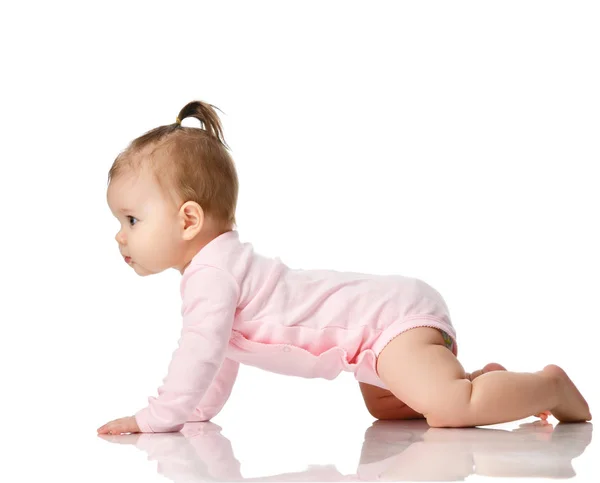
(160, 252)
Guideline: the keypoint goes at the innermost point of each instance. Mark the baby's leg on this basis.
(383, 404)
(422, 372)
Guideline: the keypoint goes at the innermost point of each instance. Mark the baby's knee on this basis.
(446, 421)
(453, 408)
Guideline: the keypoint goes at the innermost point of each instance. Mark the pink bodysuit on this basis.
(241, 307)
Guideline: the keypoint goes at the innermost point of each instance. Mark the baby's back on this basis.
(314, 309)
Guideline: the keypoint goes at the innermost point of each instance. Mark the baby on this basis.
(174, 190)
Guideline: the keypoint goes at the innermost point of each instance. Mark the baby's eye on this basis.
(132, 218)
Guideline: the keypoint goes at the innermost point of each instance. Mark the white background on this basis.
(456, 142)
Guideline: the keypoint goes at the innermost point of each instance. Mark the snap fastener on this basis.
(286, 349)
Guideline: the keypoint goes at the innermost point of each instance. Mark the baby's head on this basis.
(173, 189)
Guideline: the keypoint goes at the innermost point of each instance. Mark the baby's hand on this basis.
(118, 426)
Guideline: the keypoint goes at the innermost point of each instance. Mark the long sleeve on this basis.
(218, 393)
(208, 309)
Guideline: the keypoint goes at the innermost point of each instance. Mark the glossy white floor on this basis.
(391, 451)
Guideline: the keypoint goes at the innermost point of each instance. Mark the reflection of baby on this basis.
(417, 452)
(392, 451)
(174, 191)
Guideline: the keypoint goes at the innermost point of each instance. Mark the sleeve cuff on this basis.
(141, 419)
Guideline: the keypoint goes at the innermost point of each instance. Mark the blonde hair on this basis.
(189, 163)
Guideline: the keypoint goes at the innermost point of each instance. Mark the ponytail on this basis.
(208, 118)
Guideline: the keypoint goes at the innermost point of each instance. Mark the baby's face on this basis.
(149, 233)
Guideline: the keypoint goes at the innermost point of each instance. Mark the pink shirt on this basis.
(241, 307)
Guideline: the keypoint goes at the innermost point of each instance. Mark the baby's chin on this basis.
(141, 271)
(144, 272)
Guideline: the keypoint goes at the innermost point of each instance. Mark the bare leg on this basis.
(383, 404)
(423, 373)
(492, 366)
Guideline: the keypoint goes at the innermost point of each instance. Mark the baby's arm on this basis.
(218, 393)
(209, 304)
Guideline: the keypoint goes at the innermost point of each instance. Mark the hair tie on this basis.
(178, 121)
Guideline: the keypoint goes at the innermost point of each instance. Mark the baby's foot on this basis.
(492, 366)
(572, 407)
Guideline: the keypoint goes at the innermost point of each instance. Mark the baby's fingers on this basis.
(109, 428)
(103, 429)
(119, 426)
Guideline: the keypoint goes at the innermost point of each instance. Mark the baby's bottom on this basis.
(418, 369)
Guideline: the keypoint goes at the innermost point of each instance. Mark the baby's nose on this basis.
(120, 238)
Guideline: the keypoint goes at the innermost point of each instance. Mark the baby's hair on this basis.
(189, 163)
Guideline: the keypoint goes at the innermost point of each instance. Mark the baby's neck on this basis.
(198, 243)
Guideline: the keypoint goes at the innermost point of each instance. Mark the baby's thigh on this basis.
(418, 365)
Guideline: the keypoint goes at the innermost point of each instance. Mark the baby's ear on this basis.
(192, 219)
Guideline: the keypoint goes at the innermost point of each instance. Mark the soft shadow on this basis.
(392, 451)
